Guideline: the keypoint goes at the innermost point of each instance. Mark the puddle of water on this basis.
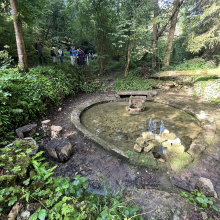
(112, 123)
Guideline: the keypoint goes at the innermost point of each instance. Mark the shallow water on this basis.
(111, 122)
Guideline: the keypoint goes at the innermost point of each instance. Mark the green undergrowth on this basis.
(26, 96)
(193, 64)
(59, 198)
(133, 81)
(199, 199)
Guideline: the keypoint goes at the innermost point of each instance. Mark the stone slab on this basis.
(138, 93)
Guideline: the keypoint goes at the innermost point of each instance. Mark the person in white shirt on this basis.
(60, 53)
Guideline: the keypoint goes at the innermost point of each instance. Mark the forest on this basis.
(56, 55)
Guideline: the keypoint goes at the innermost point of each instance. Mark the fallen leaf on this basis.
(127, 198)
(142, 160)
(87, 149)
(137, 172)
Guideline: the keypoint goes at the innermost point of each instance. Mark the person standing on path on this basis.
(39, 48)
(60, 53)
(81, 57)
(52, 53)
(71, 55)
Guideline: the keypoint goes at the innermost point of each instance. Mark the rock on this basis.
(176, 141)
(151, 145)
(150, 200)
(32, 144)
(206, 187)
(56, 131)
(148, 136)
(138, 148)
(204, 216)
(166, 88)
(165, 131)
(177, 148)
(170, 84)
(26, 131)
(134, 111)
(159, 138)
(46, 125)
(140, 141)
(25, 215)
(59, 149)
(8, 180)
(169, 136)
(166, 144)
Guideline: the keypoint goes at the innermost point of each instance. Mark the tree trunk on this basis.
(22, 56)
(166, 60)
(128, 59)
(154, 49)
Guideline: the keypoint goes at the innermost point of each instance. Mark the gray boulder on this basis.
(206, 187)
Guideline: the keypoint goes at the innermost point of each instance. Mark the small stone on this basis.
(204, 216)
(206, 187)
(175, 141)
(148, 136)
(159, 138)
(138, 148)
(134, 111)
(165, 131)
(169, 136)
(151, 145)
(166, 144)
(177, 148)
(140, 141)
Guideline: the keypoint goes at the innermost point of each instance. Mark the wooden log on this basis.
(46, 125)
(210, 72)
(56, 131)
(15, 210)
(26, 131)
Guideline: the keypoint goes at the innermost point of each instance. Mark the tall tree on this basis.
(166, 60)
(154, 49)
(22, 56)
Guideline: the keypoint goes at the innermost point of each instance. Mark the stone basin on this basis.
(199, 128)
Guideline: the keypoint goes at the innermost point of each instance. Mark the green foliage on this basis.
(43, 174)
(194, 64)
(133, 82)
(128, 153)
(24, 97)
(198, 199)
(5, 58)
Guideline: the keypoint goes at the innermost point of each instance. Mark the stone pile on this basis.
(136, 105)
(154, 142)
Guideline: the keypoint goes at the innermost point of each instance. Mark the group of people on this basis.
(60, 54)
(76, 56)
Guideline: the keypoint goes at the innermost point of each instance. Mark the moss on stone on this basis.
(8, 180)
